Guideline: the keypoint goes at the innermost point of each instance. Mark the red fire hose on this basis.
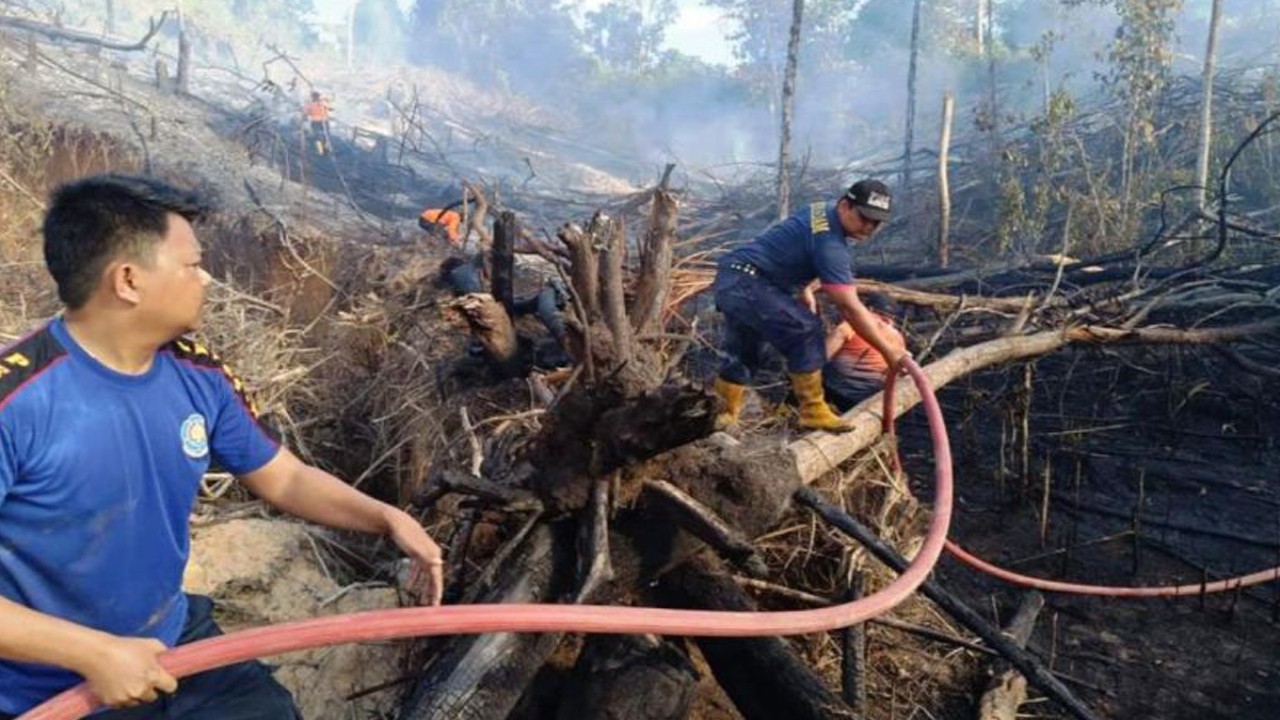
(977, 563)
(469, 619)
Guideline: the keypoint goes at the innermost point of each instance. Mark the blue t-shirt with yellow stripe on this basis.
(98, 475)
(810, 244)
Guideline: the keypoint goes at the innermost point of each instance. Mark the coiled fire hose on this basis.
(977, 563)
(469, 619)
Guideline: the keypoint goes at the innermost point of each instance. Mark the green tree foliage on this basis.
(245, 24)
(628, 34)
(517, 44)
(1140, 55)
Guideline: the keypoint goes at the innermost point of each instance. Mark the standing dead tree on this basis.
(788, 110)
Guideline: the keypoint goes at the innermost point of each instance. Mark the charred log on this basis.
(596, 433)
(763, 676)
(1030, 666)
(484, 676)
(620, 676)
(503, 255)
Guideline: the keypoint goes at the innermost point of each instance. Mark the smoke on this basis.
(852, 85)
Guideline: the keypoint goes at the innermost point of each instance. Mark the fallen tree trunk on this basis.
(818, 453)
(56, 33)
(746, 487)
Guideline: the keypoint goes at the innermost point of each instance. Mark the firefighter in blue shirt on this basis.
(765, 290)
(109, 417)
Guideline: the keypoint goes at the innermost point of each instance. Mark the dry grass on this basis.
(906, 673)
(26, 293)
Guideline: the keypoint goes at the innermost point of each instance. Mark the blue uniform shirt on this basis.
(809, 244)
(98, 475)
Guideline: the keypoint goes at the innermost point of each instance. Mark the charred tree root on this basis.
(1026, 663)
(763, 676)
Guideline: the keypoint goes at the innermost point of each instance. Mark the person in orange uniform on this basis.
(855, 370)
(442, 222)
(317, 112)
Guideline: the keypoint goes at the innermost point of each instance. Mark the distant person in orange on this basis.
(317, 112)
(446, 223)
(855, 370)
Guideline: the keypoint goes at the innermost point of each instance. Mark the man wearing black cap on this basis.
(758, 285)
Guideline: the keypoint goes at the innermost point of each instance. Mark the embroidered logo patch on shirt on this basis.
(818, 218)
(195, 440)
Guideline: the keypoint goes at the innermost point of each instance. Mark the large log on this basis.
(483, 676)
(818, 453)
(763, 676)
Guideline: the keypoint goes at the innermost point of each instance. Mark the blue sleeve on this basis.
(831, 260)
(8, 463)
(238, 441)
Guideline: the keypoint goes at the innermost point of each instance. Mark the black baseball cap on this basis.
(872, 198)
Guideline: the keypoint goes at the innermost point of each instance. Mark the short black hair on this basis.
(94, 220)
(877, 302)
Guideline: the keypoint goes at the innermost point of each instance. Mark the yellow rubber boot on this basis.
(734, 396)
(814, 411)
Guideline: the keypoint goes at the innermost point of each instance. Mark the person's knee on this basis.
(807, 355)
(250, 691)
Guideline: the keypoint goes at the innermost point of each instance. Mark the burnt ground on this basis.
(1193, 444)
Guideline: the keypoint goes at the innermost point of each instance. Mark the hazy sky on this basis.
(698, 31)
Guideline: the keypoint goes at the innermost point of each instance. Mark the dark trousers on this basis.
(237, 692)
(755, 311)
(320, 133)
(466, 278)
(546, 305)
(847, 385)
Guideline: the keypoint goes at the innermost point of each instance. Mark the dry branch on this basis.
(1008, 689)
(56, 33)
